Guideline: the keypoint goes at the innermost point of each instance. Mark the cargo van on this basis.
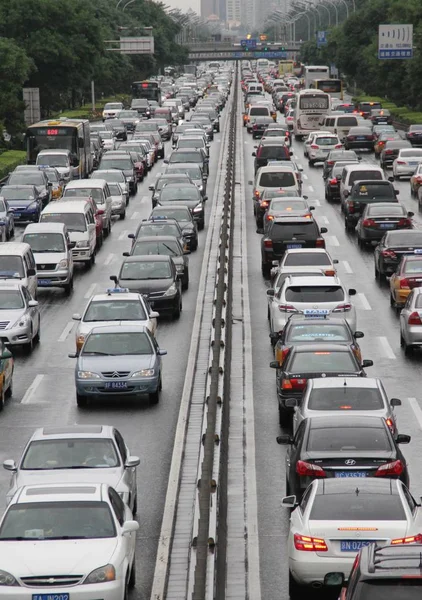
(340, 124)
(97, 189)
(17, 263)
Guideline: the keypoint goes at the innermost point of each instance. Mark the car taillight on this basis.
(392, 468)
(330, 273)
(389, 152)
(333, 181)
(389, 254)
(351, 138)
(391, 425)
(256, 194)
(414, 319)
(270, 217)
(314, 147)
(286, 308)
(418, 178)
(309, 544)
(400, 162)
(343, 307)
(404, 223)
(287, 134)
(339, 146)
(255, 126)
(413, 539)
(264, 204)
(320, 243)
(268, 244)
(305, 469)
(368, 223)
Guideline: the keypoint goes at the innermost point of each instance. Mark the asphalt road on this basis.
(44, 393)
(401, 376)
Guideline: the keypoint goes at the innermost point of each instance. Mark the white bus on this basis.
(313, 72)
(262, 64)
(311, 107)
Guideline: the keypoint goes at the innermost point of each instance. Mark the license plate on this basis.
(51, 596)
(116, 385)
(360, 138)
(293, 246)
(316, 311)
(354, 545)
(387, 225)
(44, 281)
(413, 164)
(417, 251)
(350, 474)
(17, 215)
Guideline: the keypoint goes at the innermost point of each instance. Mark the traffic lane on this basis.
(44, 393)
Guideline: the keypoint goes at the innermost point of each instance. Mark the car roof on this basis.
(345, 420)
(18, 186)
(120, 297)
(348, 485)
(54, 151)
(158, 209)
(287, 220)
(65, 206)
(14, 248)
(314, 281)
(73, 431)
(148, 258)
(45, 227)
(306, 250)
(364, 167)
(11, 285)
(83, 183)
(345, 382)
(63, 492)
(120, 329)
(328, 320)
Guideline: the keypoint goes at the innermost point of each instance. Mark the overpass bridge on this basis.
(222, 51)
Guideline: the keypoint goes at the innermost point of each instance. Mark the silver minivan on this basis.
(52, 249)
(340, 124)
(17, 263)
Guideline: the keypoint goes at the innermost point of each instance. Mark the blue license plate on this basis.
(44, 281)
(51, 596)
(417, 251)
(116, 385)
(354, 545)
(413, 164)
(387, 225)
(360, 138)
(316, 311)
(293, 246)
(350, 474)
(17, 215)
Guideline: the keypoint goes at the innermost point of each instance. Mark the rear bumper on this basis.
(413, 335)
(310, 567)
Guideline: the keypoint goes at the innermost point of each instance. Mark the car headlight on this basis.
(101, 575)
(22, 321)
(172, 290)
(200, 188)
(63, 264)
(180, 268)
(7, 579)
(198, 208)
(82, 244)
(116, 202)
(66, 174)
(32, 206)
(88, 375)
(143, 373)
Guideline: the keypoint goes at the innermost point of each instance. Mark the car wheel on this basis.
(396, 177)
(265, 270)
(185, 284)
(2, 396)
(81, 400)
(9, 392)
(288, 490)
(295, 590)
(178, 310)
(99, 241)
(30, 345)
(284, 418)
(392, 301)
(348, 226)
(154, 398)
(379, 275)
(135, 505)
(201, 225)
(123, 215)
(310, 163)
(91, 261)
(68, 287)
(132, 577)
(412, 191)
(408, 350)
(268, 313)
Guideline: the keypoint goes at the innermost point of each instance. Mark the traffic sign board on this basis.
(249, 43)
(259, 54)
(321, 38)
(395, 41)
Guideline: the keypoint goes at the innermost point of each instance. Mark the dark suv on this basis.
(363, 193)
(383, 572)
(391, 150)
(270, 150)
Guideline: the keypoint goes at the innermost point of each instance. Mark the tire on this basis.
(392, 301)
(154, 398)
(348, 227)
(412, 192)
(2, 397)
(310, 164)
(284, 418)
(68, 287)
(185, 283)
(9, 392)
(132, 577)
(30, 345)
(265, 270)
(81, 401)
(379, 276)
(288, 489)
(178, 310)
(99, 241)
(295, 590)
(408, 350)
(123, 216)
(201, 225)
(135, 505)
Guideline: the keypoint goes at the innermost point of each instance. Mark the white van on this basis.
(52, 249)
(17, 263)
(255, 88)
(340, 124)
(97, 189)
(355, 172)
(61, 160)
(276, 176)
(80, 223)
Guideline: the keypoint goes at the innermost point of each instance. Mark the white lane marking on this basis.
(109, 259)
(135, 216)
(311, 189)
(332, 240)
(347, 267)
(417, 410)
(324, 220)
(295, 156)
(145, 198)
(32, 389)
(66, 331)
(90, 290)
(304, 176)
(385, 344)
(316, 202)
(363, 301)
(123, 235)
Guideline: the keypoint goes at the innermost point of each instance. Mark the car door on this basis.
(6, 366)
(108, 201)
(30, 266)
(292, 456)
(123, 514)
(129, 474)
(32, 310)
(90, 225)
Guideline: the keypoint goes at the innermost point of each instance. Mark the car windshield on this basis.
(86, 192)
(65, 520)
(116, 163)
(48, 455)
(357, 505)
(113, 176)
(26, 178)
(263, 111)
(114, 189)
(279, 151)
(176, 179)
(277, 179)
(113, 106)
(114, 310)
(185, 156)
(10, 299)
(118, 344)
(53, 160)
(2, 206)
(345, 398)
(167, 248)
(306, 259)
(269, 193)
(373, 190)
(52, 175)
(326, 141)
(45, 242)
(159, 229)
(314, 293)
(323, 362)
(288, 206)
(392, 588)
(178, 214)
(128, 114)
(11, 267)
(106, 135)
(317, 332)
(346, 439)
(180, 193)
(193, 172)
(10, 193)
(145, 270)
(73, 221)
(190, 143)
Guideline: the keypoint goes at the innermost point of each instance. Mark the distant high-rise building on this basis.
(233, 11)
(210, 7)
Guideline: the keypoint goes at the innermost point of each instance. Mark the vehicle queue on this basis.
(69, 528)
(354, 525)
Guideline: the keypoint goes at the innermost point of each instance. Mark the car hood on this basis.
(130, 362)
(146, 286)
(110, 476)
(10, 315)
(17, 204)
(189, 203)
(78, 236)
(57, 557)
(42, 258)
(62, 170)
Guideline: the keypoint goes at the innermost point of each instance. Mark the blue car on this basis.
(24, 201)
(118, 361)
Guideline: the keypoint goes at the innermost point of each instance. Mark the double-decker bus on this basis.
(65, 134)
(148, 89)
(311, 106)
(334, 87)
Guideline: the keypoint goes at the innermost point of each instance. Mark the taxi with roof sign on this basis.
(407, 276)
(286, 207)
(116, 306)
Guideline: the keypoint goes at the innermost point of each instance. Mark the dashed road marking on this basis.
(135, 216)
(30, 392)
(123, 235)
(145, 198)
(316, 202)
(311, 189)
(332, 240)
(305, 177)
(417, 410)
(363, 301)
(109, 259)
(66, 331)
(346, 266)
(385, 344)
(323, 219)
(90, 290)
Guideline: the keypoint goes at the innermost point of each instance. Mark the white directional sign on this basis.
(395, 41)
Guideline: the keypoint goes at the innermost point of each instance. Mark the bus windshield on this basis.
(50, 138)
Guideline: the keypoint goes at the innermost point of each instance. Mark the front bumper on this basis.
(164, 304)
(54, 278)
(81, 254)
(94, 591)
(26, 216)
(135, 387)
(118, 209)
(15, 337)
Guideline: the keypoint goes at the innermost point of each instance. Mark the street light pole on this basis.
(347, 8)
(335, 8)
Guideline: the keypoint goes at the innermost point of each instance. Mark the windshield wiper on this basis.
(171, 250)
(97, 354)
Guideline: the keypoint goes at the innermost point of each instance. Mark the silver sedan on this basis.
(411, 322)
(20, 319)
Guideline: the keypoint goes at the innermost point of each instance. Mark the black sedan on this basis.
(309, 361)
(366, 192)
(390, 152)
(270, 149)
(185, 221)
(359, 137)
(378, 218)
(342, 446)
(186, 195)
(393, 246)
(414, 135)
(157, 226)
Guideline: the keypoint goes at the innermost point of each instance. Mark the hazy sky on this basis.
(184, 4)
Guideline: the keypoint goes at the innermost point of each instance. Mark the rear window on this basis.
(405, 238)
(280, 179)
(288, 206)
(286, 231)
(372, 175)
(347, 122)
(326, 141)
(374, 191)
(317, 332)
(370, 105)
(273, 152)
(393, 210)
(314, 293)
(322, 362)
(393, 589)
(413, 266)
(358, 507)
(345, 398)
(404, 153)
(283, 276)
(304, 259)
(260, 110)
(348, 439)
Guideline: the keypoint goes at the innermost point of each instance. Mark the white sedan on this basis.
(337, 517)
(407, 161)
(67, 541)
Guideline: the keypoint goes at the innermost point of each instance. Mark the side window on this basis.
(299, 435)
(343, 176)
(31, 260)
(26, 294)
(107, 191)
(90, 216)
(121, 444)
(409, 300)
(409, 498)
(117, 504)
(305, 498)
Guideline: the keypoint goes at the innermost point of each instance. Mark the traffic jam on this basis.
(69, 530)
(353, 517)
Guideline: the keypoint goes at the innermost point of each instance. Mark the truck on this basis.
(190, 69)
(285, 67)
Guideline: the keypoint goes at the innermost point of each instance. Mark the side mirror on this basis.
(151, 188)
(130, 527)
(334, 579)
(31, 272)
(391, 179)
(312, 208)
(186, 251)
(291, 153)
(132, 461)
(131, 236)
(73, 355)
(161, 352)
(165, 161)
(403, 439)
(154, 314)
(284, 440)
(114, 278)
(126, 254)
(6, 354)
(300, 169)
(305, 197)
(358, 334)
(410, 214)
(335, 261)
(270, 293)
(397, 192)
(359, 158)
(352, 292)
(323, 230)
(367, 363)
(274, 364)
(10, 465)
(49, 184)
(76, 317)
(205, 198)
(346, 193)
(395, 402)
(289, 502)
(32, 303)
(291, 402)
